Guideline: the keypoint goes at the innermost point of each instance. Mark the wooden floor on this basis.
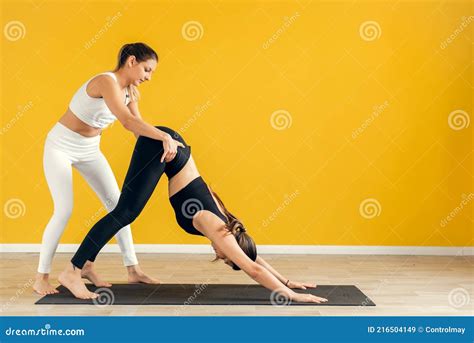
(399, 285)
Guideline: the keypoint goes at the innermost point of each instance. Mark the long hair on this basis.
(142, 52)
(236, 228)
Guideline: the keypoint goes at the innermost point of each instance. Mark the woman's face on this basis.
(140, 72)
(221, 255)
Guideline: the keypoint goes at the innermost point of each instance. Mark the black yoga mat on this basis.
(206, 294)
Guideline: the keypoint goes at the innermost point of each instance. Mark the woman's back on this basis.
(184, 177)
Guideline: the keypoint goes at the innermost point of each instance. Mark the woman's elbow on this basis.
(129, 124)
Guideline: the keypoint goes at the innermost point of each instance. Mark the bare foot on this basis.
(90, 274)
(71, 279)
(42, 285)
(136, 275)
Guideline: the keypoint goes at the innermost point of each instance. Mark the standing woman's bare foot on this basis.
(71, 279)
(90, 274)
(42, 285)
(136, 275)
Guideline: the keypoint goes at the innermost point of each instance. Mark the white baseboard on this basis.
(262, 249)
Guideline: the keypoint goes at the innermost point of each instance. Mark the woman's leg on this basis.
(100, 177)
(58, 173)
(143, 174)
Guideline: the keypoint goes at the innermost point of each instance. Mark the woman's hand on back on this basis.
(170, 147)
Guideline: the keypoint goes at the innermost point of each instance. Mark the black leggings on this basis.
(143, 174)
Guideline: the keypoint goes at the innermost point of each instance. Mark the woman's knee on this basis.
(62, 213)
(111, 201)
(125, 215)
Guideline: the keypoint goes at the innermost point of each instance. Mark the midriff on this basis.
(73, 123)
(184, 177)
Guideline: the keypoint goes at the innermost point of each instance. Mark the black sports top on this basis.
(194, 197)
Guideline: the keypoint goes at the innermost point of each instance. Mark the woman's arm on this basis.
(228, 245)
(133, 107)
(272, 270)
(289, 283)
(111, 93)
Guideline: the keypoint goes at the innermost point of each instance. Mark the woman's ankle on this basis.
(71, 268)
(42, 276)
(88, 265)
(134, 269)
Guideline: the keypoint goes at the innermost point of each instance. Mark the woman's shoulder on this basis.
(95, 83)
(205, 221)
(103, 76)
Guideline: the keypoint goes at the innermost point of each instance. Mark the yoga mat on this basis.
(206, 294)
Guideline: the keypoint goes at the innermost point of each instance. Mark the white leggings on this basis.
(63, 150)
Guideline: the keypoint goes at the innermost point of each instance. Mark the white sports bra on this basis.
(93, 111)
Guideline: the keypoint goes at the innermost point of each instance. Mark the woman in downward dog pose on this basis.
(198, 210)
(74, 141)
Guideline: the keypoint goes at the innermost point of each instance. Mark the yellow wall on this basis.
(303, 184)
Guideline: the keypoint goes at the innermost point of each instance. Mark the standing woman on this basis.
(75, 142)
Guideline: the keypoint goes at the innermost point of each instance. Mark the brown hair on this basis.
(235, 227)
(142, 52)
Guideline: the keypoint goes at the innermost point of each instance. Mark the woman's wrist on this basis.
(163, 135)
